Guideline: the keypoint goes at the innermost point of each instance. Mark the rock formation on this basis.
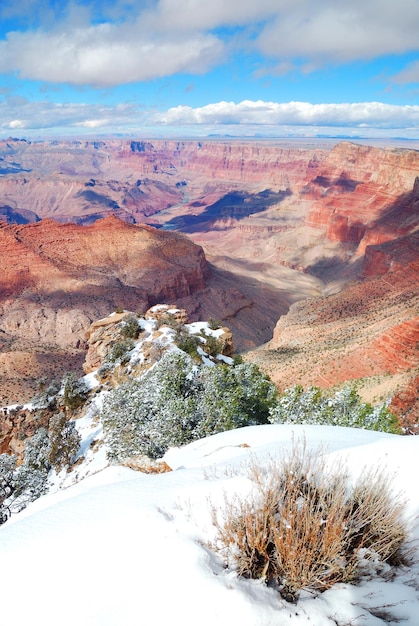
(368, 332)
(57, 278)
(280, 226)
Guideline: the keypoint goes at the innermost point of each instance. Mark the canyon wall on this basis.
(281, 226)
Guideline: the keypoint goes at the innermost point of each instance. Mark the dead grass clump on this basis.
(305, 527)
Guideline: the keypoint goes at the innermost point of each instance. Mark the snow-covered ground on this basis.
(122, 548)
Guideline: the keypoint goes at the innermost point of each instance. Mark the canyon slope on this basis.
(57, 278)
(325, 231)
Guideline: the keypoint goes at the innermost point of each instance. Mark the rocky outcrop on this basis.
(16, 425)
(66, 275)
(392, 256)
(57, 278)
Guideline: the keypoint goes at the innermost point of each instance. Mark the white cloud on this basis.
(367, 114)
(41, 116)
(337, 30)
(105, 44)
(244, 118)
(105, 55)
(16, 124)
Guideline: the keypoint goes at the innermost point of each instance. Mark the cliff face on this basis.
(83, 181)
(57, 278)
(365, 195)
(278, 224)
(369, 331)
(74, 270)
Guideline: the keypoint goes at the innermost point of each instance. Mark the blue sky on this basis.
(199, 67)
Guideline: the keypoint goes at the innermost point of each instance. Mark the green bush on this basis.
(188, 343)
(55, 448)
(344, 408)
(178, 401)
(212, 345)
(214, 324)
(119, 351)
(74, 392)
(130, 327)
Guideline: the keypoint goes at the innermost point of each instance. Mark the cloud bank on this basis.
(247, 117)
(362, 115)
(107, 44)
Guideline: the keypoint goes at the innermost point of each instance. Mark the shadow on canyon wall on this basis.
(233, 205)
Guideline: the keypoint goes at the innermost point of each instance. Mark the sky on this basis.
(281, 68)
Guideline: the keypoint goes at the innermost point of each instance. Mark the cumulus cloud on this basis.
(40, 116)
(105, 55)
(362, 115)
(337, 30)
(369, 119)
(105, 44)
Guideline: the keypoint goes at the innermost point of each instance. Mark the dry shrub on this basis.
(305, 527)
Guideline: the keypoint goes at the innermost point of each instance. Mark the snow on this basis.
(120, 547)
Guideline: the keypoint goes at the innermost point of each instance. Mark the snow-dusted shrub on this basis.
(55, 447)
(214, 324)
(46, 395)
(119, 351)
(18, 486)
(130, 327)
(149, 415)
(178, 401)
(304, 527)
(188, 343)
(344, 408)
(74, 391)
(64, 441)
(36, 451)
(212, 345)
(233, 397)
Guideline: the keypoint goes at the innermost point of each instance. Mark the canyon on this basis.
(308, 252)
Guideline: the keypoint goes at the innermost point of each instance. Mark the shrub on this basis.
(64, 441)
(36, 451)
(304, 527)
(178, 401)
(212, 345)
(55, 447)
(75, 391)
(188, 343)
(233, 397)
(18, 486)
(214, 324)
(130, 327)
(119, 351)
(344, 408)
(46, 395)
(148, 416)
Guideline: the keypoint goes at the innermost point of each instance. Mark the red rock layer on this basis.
(57, 278)
(368, 330)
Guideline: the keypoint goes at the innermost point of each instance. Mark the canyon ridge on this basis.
(308, 253)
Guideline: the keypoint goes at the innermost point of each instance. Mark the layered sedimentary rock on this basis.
(57, 278)
(53, 264)
(369, 331)
(279, 224)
